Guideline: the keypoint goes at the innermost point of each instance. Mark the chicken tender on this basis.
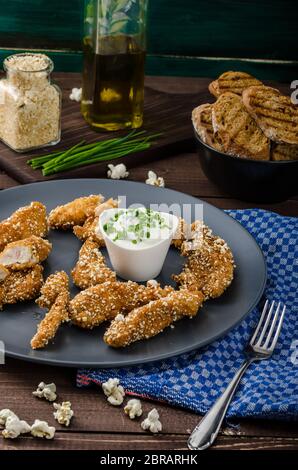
(4, 272)
(24, 254)
(26, 221)
(55, 284)
(88, 230)
(47, 328)
(151, 319)
(91, 268)
(210, 264)
(103, 302)
(19, 286)
(74, 213)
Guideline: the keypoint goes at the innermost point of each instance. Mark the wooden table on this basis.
(99, 426)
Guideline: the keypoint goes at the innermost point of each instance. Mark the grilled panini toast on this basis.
(237, 130)
(234, 82)
(284, 152)
(202, 122)
(276, 115)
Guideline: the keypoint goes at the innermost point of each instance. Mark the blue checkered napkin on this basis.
(269, 389)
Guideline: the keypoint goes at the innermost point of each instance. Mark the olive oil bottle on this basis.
(113, 84)
(113, 71)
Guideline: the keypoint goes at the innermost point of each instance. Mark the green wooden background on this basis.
(185, 37)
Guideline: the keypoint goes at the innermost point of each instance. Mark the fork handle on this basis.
(207, 430)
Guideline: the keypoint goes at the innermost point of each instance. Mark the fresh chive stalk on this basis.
(86, 154)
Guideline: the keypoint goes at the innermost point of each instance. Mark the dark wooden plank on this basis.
(6, 181)
(42, 24)
(168, 113)
(93, 413)
(192, 28)
(179, 66)
(86, 441)
(282, 70)
(178, 34)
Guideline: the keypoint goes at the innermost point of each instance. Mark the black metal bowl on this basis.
(249, 180)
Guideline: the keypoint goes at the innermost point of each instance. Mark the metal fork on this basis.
(261, 346)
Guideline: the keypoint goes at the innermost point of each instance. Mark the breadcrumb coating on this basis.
(105, 301)
(24, 254)
(210, 264)
(55, 284)
(21, 285)
(74, 213)
(91, 268)
(151, 319)
(47, 328)
(88, 230)
(24, 222)
(4, 272)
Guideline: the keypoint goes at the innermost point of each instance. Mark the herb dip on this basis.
(139, 228)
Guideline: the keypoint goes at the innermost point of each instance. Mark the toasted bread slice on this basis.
(234, 82)
(275, 113)
(237, 130)
(283, 152)
(202, 122)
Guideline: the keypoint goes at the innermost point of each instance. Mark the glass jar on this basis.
(114, 57)
(30, 105)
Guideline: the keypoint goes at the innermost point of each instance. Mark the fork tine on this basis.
(260, 322)
(264, 329)
(274, 341)
(273, 323)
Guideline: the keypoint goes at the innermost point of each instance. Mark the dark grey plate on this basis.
(74, 347)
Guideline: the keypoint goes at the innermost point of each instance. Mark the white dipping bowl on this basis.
(138, 263)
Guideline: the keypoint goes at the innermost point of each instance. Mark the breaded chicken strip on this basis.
(55, 284)
(21, 285)
(4, 272)
(152, 318)
(88, 230)
(210, 264)
(91, 268)
(26, 221)
(47, 328)
(103, 302)
(24, 254)
(74, 213)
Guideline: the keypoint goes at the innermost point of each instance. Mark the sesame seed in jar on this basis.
(30, 105)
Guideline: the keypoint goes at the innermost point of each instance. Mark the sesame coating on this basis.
(4, 272)
(91, 268)
(73, 213)
(55, 284)
(21, 285)
(106, 301)
(24, 222)
(88, 230)
(210, 264)
(47, 328)
(151, 319)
